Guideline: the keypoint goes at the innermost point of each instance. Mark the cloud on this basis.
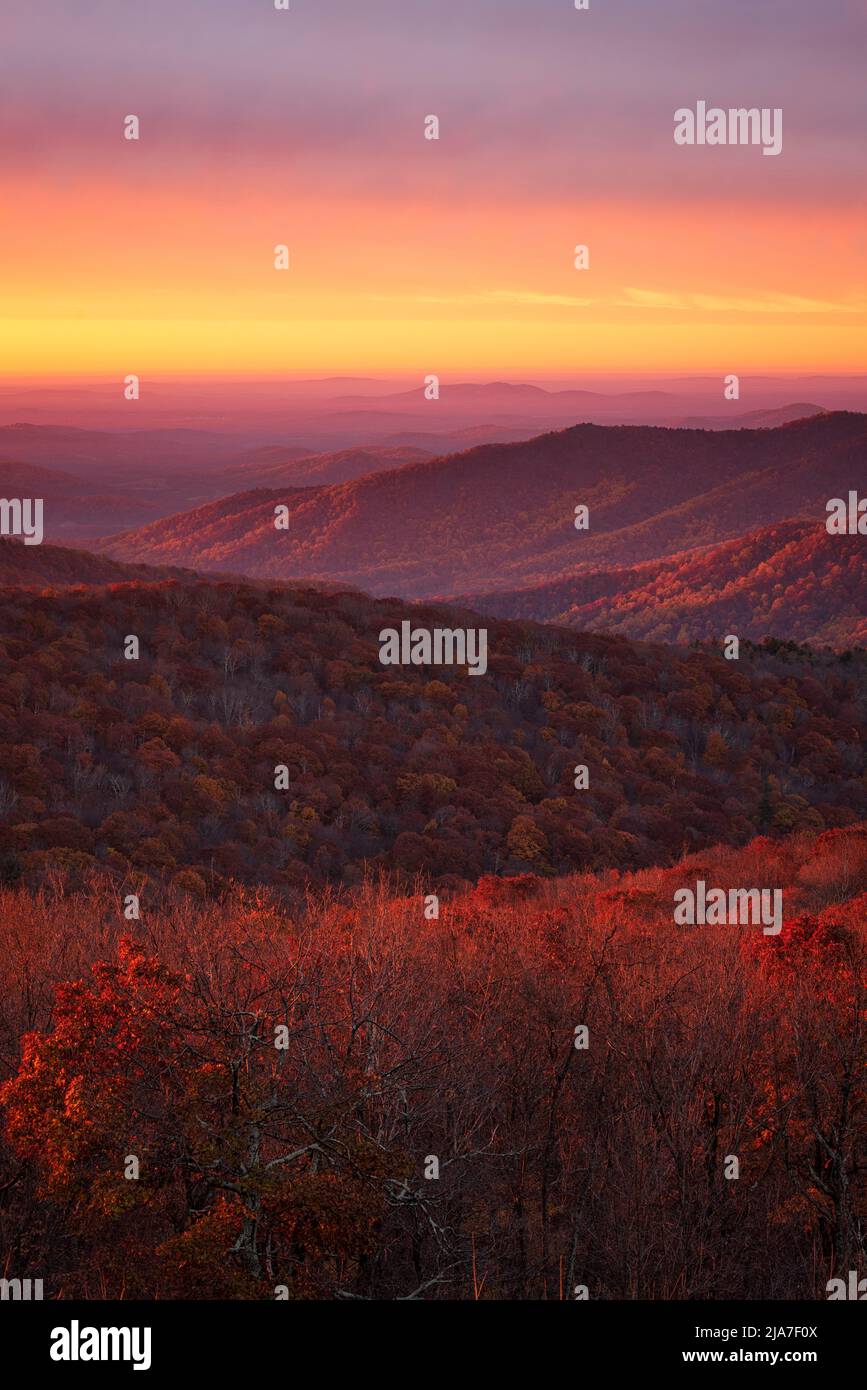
(531, 298)
(721, 304)
(512, 297)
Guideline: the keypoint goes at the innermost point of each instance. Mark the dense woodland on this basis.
(164, 767)
(303, 1168)
(427, 1127)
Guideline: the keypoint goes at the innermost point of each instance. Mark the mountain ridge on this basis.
(501, 516)
(789, 579)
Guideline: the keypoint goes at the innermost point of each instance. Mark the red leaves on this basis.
(407, 1037)
(74, 1083)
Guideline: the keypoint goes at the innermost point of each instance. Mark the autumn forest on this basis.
(433, 686)
(315, 945)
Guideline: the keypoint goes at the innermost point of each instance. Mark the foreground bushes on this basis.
(408, 1039)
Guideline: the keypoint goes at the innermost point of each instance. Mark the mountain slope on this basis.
(43, 566)
(274, 466)
(167, 762)
(74, 508)
(751, 419)
(787, 580)
(113, 453)
(501, 516)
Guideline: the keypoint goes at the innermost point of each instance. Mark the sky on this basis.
(306, 128)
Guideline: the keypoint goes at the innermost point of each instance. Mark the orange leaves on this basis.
(156, 756)
(194, 1262)
(405, 1038)
(75, 1082)
(526, 841)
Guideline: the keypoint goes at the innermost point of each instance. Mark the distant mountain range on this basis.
(501, 517)
(103, 488)
(75, 509)
(335, 413)
(184, 428)
(751, 419)
(126, 453)
(691, 530)
(275, 466)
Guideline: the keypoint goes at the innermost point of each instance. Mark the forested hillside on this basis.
(165, 765)
(502, 516)
(791, 579)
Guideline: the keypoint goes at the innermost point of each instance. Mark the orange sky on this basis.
(455, 256)
(370, 288)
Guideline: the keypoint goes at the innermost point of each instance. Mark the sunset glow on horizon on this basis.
(407, 256)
